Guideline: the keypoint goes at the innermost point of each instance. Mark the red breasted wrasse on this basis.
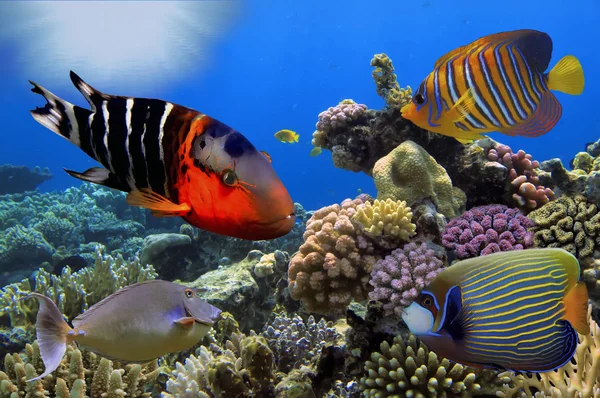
(496, 83)
(174, 161)
(138, 323)
(518, 310)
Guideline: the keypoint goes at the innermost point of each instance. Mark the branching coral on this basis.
(574, 380)
(387, 84)
(295, 342)
(571, 223)
(410, 174)
(488, 229)
(399, 278)
(79, 375)
(387, 222)
(522, 182)
(410, 369)
(334, 263)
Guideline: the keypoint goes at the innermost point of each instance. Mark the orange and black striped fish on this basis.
(174, 161)
(496, 83)
(518, 310)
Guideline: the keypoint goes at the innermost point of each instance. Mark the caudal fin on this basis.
(52, 332)
(576, 308)
(567, 76)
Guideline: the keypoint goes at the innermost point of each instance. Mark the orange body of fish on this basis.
(174, 161)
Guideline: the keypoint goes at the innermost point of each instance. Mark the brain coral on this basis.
(334, 263)
(571, 223)
(410, 174)
(487, 229)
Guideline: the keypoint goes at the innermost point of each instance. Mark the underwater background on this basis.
(260, 67)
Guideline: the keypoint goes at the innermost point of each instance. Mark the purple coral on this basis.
(488, 229)
(527, 193)
(340, 115)
(399, 278)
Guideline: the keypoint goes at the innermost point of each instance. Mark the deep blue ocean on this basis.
(278, 64)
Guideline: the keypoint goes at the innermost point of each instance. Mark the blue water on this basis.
(281, 63)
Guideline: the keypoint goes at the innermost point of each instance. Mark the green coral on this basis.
(410, 174)
(570, 223)
(387, 84)
(409, 369)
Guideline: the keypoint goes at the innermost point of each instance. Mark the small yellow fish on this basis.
(287, 136)
(316, 151)
(138, 323)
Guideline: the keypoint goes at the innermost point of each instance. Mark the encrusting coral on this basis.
(409, 369)
(399, 277)
(79, 375)
(571, 223)
(580, 379)
(487, 229)
(410, 174)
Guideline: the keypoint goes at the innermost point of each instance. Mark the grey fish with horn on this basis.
(138, 323)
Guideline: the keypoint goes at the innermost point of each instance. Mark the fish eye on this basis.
(426, 302)
(189, 293)
(419, 99)
(229, 178)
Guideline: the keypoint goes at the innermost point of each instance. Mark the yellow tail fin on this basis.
(567, 76)
(576, 307)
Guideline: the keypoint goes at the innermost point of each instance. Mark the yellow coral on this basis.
(386, 218)
(579, 380)
(387, 84)
(410, 174)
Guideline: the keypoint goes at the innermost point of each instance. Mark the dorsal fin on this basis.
(536, 47)
(83, 316)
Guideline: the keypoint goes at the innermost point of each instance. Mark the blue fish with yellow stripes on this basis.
(518, 310)
(496, 83)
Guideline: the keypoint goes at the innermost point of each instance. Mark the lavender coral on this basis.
(340, 115)
(399, 278)
(524, 183)
(488, 229)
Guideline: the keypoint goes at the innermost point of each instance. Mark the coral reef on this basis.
(523, 184)
(399, 277)
(80, 374)
(488, 229)
(340, 116)
(410, 174)
(410, 369)
(333, 264)
(577, 379)
(17, 179)
(571, 223)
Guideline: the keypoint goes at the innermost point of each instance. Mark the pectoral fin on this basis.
(157, 204)
(186, 321)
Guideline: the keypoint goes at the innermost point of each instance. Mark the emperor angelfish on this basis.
(518, 310)
(174, 161)
(138, 323)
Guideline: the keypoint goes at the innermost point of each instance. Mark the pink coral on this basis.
(340, 115)
(524, 183)
(488, 229)
(334, 263)
(399, 278)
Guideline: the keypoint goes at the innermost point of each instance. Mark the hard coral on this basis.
(524, 185)
(399, 278)
(387, 222)
(410, 174)
(488, 229)
(571, 223)
(580, 379)
(409, 369)
(387, 84)
(340, 116)
(334, 263)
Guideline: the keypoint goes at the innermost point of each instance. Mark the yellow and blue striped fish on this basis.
(518, 310)
(496, 83)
